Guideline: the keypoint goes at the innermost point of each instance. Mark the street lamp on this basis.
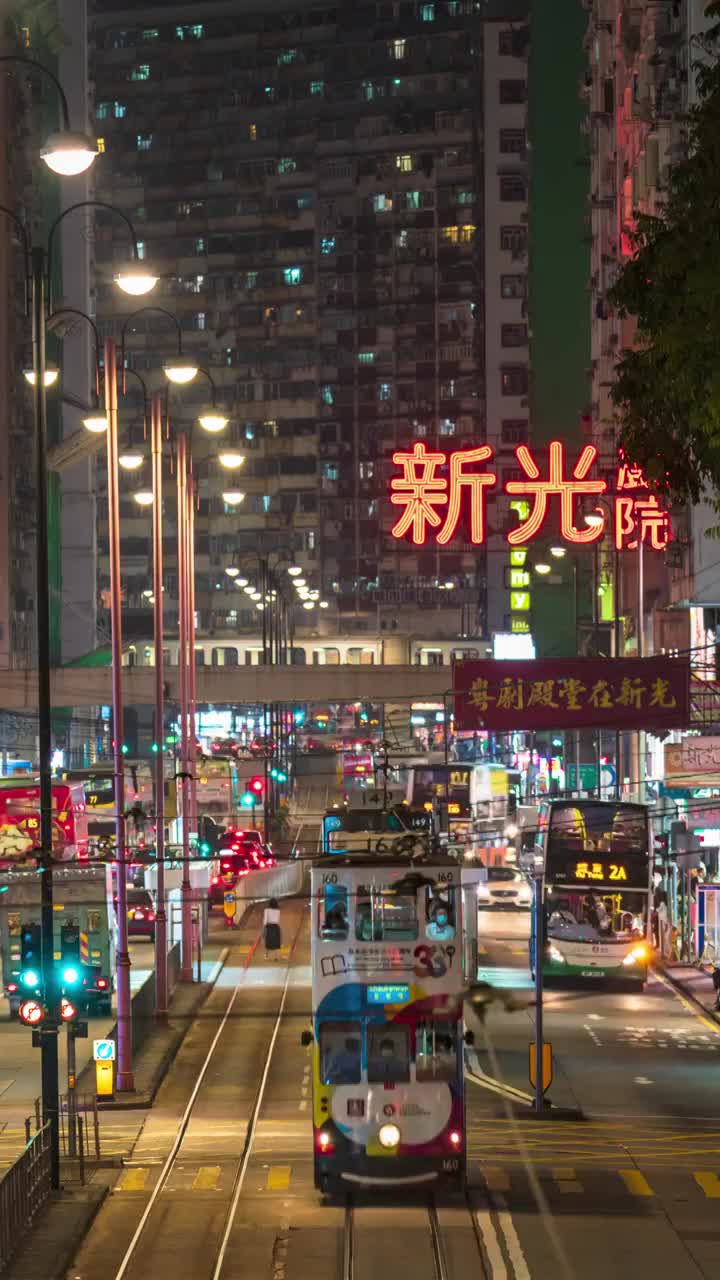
(50, 377)
(233, 497)
(67, 152)
(231, 460)
(144, 497)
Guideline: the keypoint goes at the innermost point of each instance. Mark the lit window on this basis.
(412, 199)
(467, 233)
(141, 72)
(250, 279)
(200, 319)
(427, 12)
(448, 426)
(330, 470)
(396, 48)
(151, 33)
(144, 141)
(366, 357)
(306, 200)
(103, 110)
(368, 90)
(367, 470)
(141, 250)
(382, 204)
(201, 245)
(100, 142)
(404, 162)
(465, 197)
(327, 394)
(451, 234)
(317, 88)
(286, 56)
(194, 31)
(287, 164)
(292, 275)
(327, 244)
(252, 132)
(384, 391)
(401, 239)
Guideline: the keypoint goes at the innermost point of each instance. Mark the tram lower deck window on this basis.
(340, 1052)
(435, 1050)
(388, 1049)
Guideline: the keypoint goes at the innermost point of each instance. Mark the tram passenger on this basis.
(342, 1065)
(384, 1063)
(440, 927)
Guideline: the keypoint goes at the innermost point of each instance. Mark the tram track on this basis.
(449, 1248)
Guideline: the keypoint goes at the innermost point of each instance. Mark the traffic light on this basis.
(257, 786)
(70, 975)
(205, 848)
(155, 748)
(248, 800)
(278, 775)
(30, 973)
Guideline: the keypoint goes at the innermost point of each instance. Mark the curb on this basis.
(688, 993)
(64, 1254)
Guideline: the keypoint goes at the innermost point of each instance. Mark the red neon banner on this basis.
(625, 693)
(435, 486)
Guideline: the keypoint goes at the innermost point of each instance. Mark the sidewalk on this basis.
(694, 983)
(59, 1230)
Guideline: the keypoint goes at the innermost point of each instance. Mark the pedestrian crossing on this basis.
(118, 1136)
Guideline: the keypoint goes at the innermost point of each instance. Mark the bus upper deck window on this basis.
(440, 913)
(340, 1052)
(334, 912)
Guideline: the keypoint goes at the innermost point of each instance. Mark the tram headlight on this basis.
(389, 1135)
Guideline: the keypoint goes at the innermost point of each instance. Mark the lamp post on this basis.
(66, 153)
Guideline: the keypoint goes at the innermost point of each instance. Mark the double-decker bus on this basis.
(387, 988)
(480, 798)
(595, 856)
(20, 822)
(98, 781)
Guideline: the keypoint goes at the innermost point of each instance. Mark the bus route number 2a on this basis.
(617, 872)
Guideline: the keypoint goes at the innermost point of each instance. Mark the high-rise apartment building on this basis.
(336, 201)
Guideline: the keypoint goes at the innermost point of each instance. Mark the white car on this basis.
(504, 887)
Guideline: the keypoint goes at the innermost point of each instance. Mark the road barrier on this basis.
(278, 882)
(24, 1190)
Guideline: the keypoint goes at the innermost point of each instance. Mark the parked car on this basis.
(505, 887)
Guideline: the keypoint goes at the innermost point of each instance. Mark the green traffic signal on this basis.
(124, 749)
(30, 978)
(70, 975)
(248, 800)
(155, 748)
(205, 849)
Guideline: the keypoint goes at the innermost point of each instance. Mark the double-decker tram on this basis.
(595, 856)
(387, 989)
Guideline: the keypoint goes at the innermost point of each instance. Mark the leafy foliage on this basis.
(667, 389)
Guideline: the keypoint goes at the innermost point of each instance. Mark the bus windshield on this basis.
(590, 916)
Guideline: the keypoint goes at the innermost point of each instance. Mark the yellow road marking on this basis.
(706, 1022)
(133, 1180)
(496, 1179)
(278, 1178)
(206, 1179)
(244, 950)
(567, 1180)
(710, 1184)
(636, 1183)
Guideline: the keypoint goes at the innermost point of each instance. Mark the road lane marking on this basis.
(495, 1179)
(643, 1080)
(567, 1181)
(512, 1242)
(636, 1182)
(278, 1178)
(133, 1180)
(709, 1183)
(491, 1244)
(706, 1022)
(207, 1178)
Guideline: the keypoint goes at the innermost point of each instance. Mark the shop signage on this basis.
(694, 762)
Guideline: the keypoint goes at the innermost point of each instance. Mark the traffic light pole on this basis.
(49, 1038)
(186, 970)
(161, 992)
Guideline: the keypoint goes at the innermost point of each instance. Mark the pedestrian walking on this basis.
(271, 927)
(716, 983)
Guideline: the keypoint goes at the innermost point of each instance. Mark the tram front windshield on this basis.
(596, 915)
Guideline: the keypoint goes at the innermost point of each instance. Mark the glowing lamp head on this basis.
(595, 519)
(232, 571)
(300, 582)
(52, 373)
(308, 604)
(542, 568)
(95, 422)
(144, 497)
(233, 497)
(558, 552)
(212, 421)
(324, 604)
(130, 461)
(180, 370)
(294, 570)
(389, 1136)
(69, 153)
(135, 279)
(242, 582)
(231, 460)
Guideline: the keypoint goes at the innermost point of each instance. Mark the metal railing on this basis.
(24, 1190)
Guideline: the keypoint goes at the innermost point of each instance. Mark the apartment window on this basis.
(192, 31)
(427, 12)
(330, 470)
(199, 320)
(141, 72)
(512, 142)
(514, 380)
(287, 164)
(465, 197)
(404, 162)
(367, 470)
(512, 188)
(382, 203)
(186, 208)
(448, 426)
(513, 239)
(467, 233)
(514, 431)
(292, 275)
(286, 57)
(366, 357)
(144, 141)
(449, 389)
(368, 90)
(384, 391)
(512, 91)
(514, 335)
(252, 132)
(317, 88)
(141, 250)
(103, 111)
(513, 286)
(327, 394)
(506, 43)
(396, 49)
(327, 244)
(150, 33)
(100, 142)
(201, 245)
(451, 234)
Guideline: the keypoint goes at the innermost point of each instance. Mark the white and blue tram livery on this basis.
(387, 975)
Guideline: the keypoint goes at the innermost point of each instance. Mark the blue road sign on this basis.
(104, 1050)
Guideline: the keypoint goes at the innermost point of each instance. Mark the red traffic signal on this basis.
(68, 1010)
(256, 785)
(31, 1013)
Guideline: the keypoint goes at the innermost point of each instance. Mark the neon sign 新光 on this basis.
(434, 486)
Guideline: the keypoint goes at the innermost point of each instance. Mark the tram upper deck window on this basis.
(440, 913)
(388, 1054)
(333, 918)
(383, 916)
(340, 1052)
(435, 1050)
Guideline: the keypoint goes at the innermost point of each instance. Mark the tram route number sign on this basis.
(388, 993)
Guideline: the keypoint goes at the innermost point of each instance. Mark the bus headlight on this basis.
(639, 955)
(389, 1135)
(556, 956)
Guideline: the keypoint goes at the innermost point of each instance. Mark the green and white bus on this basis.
(595, 860)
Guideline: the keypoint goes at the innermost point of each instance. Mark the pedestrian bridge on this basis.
(91, 686)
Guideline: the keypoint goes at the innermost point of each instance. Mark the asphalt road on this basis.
(219, 1185)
